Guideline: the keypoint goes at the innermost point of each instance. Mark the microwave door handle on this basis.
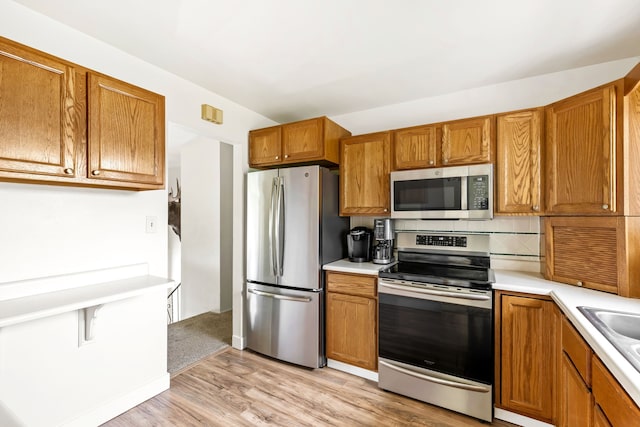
(272, 231)
(464, 193)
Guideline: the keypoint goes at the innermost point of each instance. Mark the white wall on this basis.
(206, 227)
(514, 95)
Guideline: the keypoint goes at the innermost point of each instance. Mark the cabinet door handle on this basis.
(605, 206)
(431, 162)
(536, 208)
(277, 157)
(95, 172)
(68, 171)
(286, 156)
(579, 283)
(445, 161)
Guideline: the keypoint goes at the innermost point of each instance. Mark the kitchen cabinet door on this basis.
(616, 405)
(576, 402)
(468, 141)
(303, 140)
(518, 163)
(126, 132)
(265, 147)
(581, 156)
(415, 148)
(528, 356)
(351, 330)
(599, 419)
(364, 174)
(39, 108)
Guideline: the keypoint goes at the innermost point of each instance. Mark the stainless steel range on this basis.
(436, 322)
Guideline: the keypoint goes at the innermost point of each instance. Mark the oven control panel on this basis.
(432, 240)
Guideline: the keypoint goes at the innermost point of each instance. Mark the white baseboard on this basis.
(354, 370)
(518, 419)
(118, 406)
(238, 342)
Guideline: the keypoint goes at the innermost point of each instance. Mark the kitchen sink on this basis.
(620, 328)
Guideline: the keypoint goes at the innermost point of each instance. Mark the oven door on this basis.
(434, 329)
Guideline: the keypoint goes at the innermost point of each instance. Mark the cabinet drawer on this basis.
(616, 404)
(577, 350)
(352, 284)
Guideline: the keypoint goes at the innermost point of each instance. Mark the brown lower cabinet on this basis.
(351, 320)
(526, 349)
(533, 342)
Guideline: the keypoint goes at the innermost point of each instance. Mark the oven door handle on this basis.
(436, 380)
(438, 293)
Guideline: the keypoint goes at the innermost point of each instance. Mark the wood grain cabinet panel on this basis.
(527, 352)
(581, 153)
(576, 402)
(352, 325)
(617, 406)
(364, 174)
(594, 252)
(415, 148)
(599, 419)
(519, 162)
(126, 132)
(265, 146)
(468, 141)
(311, 141)
(38, 113)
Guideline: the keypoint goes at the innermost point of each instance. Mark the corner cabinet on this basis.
(61, 123)
(594, 252)
(519, 162)
(303, 142)
(526, 355)
(352, 326)
(364, 174)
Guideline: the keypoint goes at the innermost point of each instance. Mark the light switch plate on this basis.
(152, 224)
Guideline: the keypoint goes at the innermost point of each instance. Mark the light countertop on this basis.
(346, 266)
(568, 299)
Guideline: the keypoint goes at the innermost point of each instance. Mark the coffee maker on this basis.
(383, 235)
(359, 244)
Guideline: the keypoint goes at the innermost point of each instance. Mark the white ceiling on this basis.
(295, 59)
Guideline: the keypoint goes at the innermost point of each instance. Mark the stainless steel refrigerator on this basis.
(293, 228)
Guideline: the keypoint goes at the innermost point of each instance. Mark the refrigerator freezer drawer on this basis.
(285, 324)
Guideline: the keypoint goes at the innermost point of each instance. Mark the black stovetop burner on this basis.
(459, 270)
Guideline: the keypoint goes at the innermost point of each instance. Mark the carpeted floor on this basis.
(194, 338)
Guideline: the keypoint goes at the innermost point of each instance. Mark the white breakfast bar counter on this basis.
(568, 298)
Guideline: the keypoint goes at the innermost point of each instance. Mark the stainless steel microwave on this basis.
(455, 192)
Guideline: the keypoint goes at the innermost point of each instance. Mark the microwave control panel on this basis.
(478, 192)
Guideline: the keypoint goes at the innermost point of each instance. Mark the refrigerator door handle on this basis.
(272, 224)
(280, 226)
(277, 296)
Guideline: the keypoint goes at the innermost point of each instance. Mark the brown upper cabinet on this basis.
(593, 155)
(459, 142)
(307, 141)
(364, 174)
(468, 141)
(416, 147)
(519, 162)
(61, 123)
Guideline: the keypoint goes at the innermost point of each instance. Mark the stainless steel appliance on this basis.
(435, 322)
(293, 228)
(359, 244)
(383, 236)
(455, 192)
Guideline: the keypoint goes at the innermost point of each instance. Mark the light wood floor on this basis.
(242, 388)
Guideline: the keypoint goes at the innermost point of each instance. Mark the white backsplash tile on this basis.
(516, 243)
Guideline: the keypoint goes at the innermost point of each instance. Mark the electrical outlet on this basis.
(152, 224)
